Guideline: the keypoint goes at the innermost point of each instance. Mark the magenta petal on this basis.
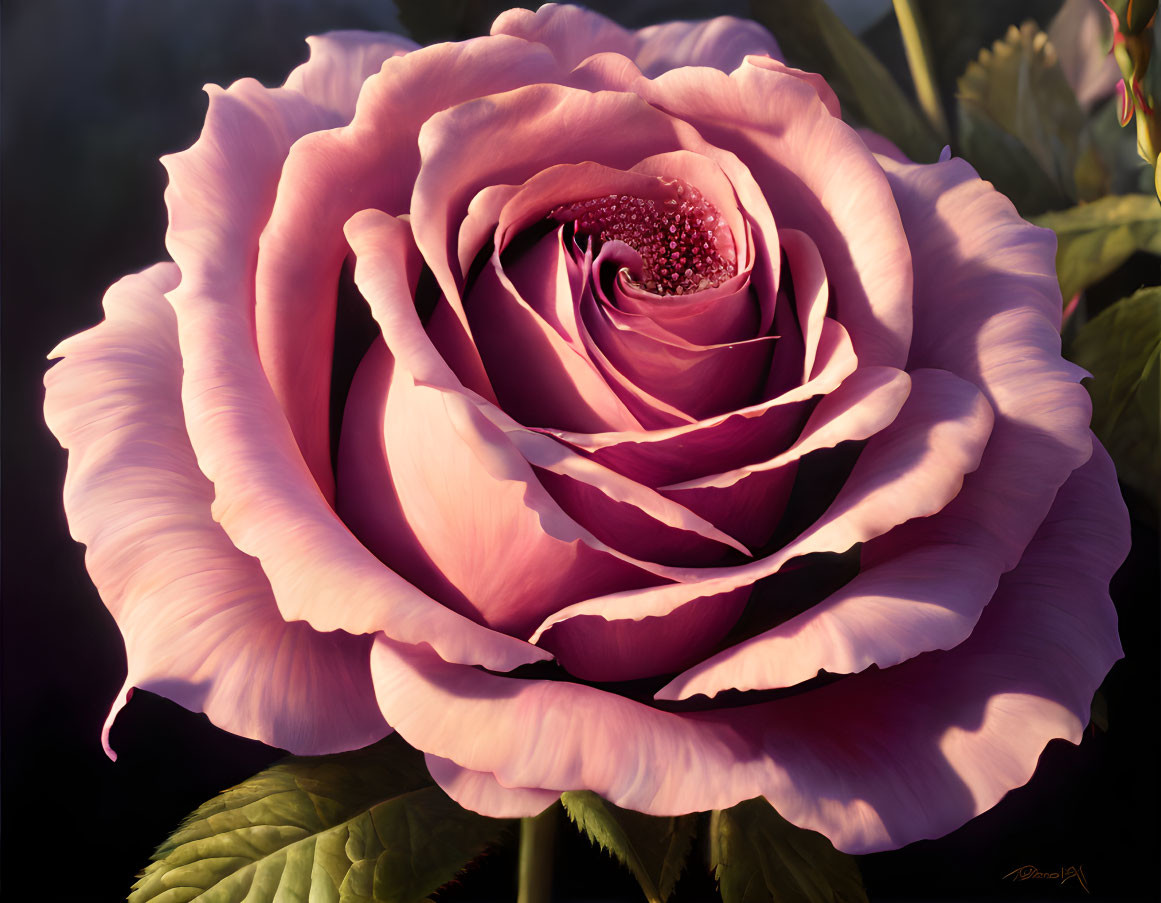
(873, 762)
(664, 456)
(594, 648)
(540, 379)
(749, 501)
(720, 43)
(199, 621)
(468, 494)
(910, 469)
(482, 793)
(794, 147)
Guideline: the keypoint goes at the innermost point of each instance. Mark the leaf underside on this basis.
(653, 849)
(759, 857)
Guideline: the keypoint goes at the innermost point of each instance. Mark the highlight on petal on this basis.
(793, 147)
(874, 762)
(266, 498)
(466, 491)
(201, 626)
(327, 177)
(340, 61)
(988, 309)
(482, 793)
(570, 32)
(721, 43)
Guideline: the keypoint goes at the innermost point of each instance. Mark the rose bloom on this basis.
(705, 448)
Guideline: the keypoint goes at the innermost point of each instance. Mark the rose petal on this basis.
(874, 762)
(465, 490)
(910, 469)
(591, 647)
(750, 501)
(774, 118)
(539, 377)
(663, 456)
(481, 792)
(377, 152)
(721, 43)
(988, 309)
(594, 488)
(340, 61)
(570, 32)
(265, 498)
(199, 621)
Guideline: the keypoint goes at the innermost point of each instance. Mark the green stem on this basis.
(537, 838)
(919, 61)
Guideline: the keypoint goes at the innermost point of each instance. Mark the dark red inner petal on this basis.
(684, 244)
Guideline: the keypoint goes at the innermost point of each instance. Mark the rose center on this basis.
(683, 242)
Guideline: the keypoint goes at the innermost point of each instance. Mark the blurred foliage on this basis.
(367, 826)
(759, 857)
(1021, 126)
(1094, 239)
(957, 31)
(813, 37)
(653, 849)
(1121, 348)
(1135, 44)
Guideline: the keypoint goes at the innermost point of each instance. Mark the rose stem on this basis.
(537, 839)
(919, 61)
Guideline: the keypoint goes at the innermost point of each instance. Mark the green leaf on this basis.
(1121, 348)
(759, 857)
(957, 31)
(1020, 123)
(654, 849)
(1094, 239)
(368, 826)
(814, 38)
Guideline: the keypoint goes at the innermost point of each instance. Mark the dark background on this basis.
(93, 93)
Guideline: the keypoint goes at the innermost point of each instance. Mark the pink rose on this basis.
(704, 451)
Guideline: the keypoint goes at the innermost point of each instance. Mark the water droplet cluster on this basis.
(683, 242)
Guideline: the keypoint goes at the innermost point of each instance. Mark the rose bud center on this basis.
(684, 244)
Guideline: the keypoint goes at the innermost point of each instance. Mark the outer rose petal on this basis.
(720, 43)
(265, 498)
(874, 762)
(481, 792)
(570, 32)
(327, 177)
(200, 624)
(340, 61)
(573, 34)
(988, 309)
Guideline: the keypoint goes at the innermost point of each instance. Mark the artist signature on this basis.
(1062, 875)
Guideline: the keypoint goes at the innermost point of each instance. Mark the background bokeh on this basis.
(93, 92)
